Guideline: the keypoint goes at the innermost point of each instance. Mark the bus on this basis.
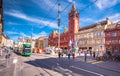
(26, 50)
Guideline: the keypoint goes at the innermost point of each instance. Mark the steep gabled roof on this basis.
(102, 23)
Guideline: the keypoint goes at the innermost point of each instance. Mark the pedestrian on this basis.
(109, 54)
(85, 56)
(59, 54)
(8, 53)
(68, 53)
(73, 54)
(90, 53)
(93, 54)
(62, 54)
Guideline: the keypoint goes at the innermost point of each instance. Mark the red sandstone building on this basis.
(66, 36)
(112, 38)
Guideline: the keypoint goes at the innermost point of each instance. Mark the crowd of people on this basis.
(98, 55)
(68, 53)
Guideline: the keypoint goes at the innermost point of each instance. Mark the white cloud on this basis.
(46, 5)
(23, 34)
(12, 23)
(14, 38)
(70, 0)
(31, 19)
(43, 33)
(34, 36)
(11, 32)
(86, 20)
(115, 17)
(102, 4)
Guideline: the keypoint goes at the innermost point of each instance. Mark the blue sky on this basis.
(39, 17)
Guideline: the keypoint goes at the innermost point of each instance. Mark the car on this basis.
(48, 51)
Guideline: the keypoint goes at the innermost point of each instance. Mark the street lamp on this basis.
(59, 28)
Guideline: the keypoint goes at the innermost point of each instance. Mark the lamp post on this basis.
(59, 28)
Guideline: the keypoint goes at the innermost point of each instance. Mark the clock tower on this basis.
(73, 22)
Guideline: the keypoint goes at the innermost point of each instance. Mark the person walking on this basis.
(90, 53)
(73, 54)
(85, 56)
(62, 53)
(59, 55)
(94, 54)
(68, 53)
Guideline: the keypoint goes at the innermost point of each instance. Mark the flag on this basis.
(77, 43)
(70, 43)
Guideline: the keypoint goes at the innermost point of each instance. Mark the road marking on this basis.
(97, 62)
(89, 61)
(15, 61)
(87, 71)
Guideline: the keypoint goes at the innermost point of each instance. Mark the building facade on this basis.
(92, 37)
(33, 44)
(112, 38)
(45, 42)
(4, 40)
(42, 42)
(1, 22)
(9, 43)
(67, 35)
(24, 40)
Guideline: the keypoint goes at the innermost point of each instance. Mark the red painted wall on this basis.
(112, 42)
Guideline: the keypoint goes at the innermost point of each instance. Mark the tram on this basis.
(25, 50)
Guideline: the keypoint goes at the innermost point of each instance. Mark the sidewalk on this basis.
(2, 61)
(109, 65)
(6, 69)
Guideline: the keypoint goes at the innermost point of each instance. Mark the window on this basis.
(114, 34)
(102, 33)
(95, 34)
(99, 34)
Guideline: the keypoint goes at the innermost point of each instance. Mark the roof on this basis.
(113, 26)
(94, 25)
(5, 36)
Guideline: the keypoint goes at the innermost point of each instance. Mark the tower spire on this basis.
(73, 6)
(65, 30)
